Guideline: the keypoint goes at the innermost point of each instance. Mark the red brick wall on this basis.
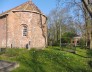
(3, 32)
(33, 21)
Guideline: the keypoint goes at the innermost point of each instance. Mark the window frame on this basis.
(24, 30)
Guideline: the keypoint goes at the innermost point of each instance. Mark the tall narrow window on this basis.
(25, 31)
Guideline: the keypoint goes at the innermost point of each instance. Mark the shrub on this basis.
(12, 52)
(82, 43)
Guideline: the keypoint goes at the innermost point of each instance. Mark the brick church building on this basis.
(23, 27)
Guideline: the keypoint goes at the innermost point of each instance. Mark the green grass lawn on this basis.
(51, 59)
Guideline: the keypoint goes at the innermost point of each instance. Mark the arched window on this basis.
(25, 31)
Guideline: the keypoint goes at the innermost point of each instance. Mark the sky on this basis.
(44, 5)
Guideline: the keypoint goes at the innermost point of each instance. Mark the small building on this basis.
(76, 40)
(23, 27)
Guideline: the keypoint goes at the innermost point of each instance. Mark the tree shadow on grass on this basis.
(89, 53)
(60, 60)
(90, 63)
(54, 48)
(68, 67)
(37, 66)
(57, 49)
(83, 56)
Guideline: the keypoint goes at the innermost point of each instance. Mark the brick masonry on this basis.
(11, 27)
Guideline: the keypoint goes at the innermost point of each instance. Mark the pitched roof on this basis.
(27, 6)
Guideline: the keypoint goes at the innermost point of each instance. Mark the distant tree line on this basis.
(70, 16)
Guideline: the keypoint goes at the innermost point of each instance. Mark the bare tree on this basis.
(59, 22)
(82, 10)
(88, 18)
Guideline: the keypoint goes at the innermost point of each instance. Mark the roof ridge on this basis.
(29, 5)
(14, 8)
(34, 5)
(25, 7)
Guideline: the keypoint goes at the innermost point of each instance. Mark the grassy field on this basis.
(51, 59)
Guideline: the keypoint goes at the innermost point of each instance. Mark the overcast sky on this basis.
(44, 5)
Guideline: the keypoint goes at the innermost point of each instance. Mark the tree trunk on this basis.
(89, 10)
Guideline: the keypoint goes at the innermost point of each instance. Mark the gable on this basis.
(28, 6)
